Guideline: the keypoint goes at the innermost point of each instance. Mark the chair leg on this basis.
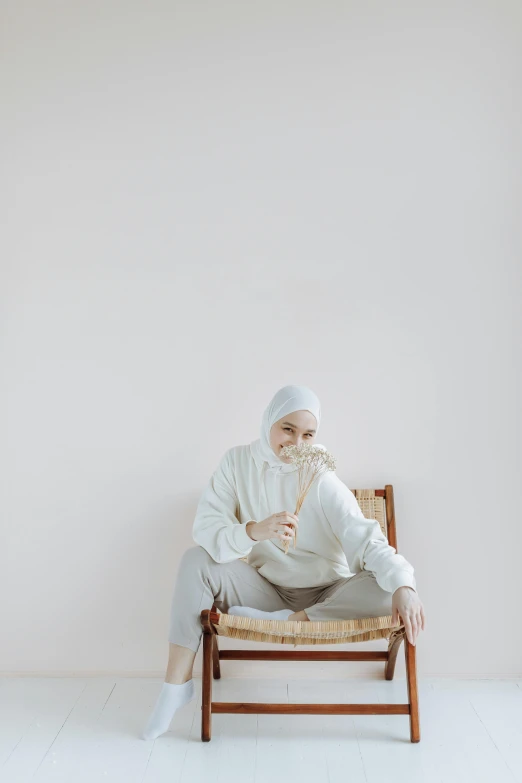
(206, 705)
(413, 696)
(216, 669)
(393, 648)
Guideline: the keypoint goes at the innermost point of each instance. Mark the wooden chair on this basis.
(375, 504)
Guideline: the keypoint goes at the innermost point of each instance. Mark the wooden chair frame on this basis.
(212, 656)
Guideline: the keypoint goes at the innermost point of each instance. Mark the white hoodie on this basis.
(334, 539)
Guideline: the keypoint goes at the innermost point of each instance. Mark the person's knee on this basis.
(386, 601)
(383, 598)
(195, 556)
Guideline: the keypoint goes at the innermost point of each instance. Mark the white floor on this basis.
(87, 730)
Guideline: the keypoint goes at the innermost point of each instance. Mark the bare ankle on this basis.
(172, 680)
(181, 662)
(299, 617)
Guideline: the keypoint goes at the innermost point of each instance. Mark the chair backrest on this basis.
(379, 504)
(376, 504)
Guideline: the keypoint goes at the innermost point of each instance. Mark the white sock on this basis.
(247, 611)
(172, 696)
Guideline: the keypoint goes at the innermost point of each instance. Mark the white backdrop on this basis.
(207, 201)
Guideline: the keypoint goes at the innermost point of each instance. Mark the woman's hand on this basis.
(407, 604)
(282, 525)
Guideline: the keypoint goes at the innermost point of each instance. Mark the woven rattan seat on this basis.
(327, 632)
(375, 504)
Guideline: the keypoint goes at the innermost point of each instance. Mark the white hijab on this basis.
(287, 400)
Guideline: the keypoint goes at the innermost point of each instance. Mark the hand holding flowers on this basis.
(312, 461)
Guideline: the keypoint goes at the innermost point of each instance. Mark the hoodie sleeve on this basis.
(362, 540)
(216, 527)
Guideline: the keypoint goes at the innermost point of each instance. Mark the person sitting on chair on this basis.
(341, 568)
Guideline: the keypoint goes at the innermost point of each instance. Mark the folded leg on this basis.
(352, 598)
(202, 582)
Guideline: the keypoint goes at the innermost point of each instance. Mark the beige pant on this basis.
(202, 582)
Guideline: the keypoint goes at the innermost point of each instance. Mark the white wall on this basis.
(208, 201)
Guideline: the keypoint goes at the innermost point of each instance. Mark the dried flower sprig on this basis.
(311, 461)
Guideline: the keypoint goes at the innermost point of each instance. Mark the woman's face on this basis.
(292, 430)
